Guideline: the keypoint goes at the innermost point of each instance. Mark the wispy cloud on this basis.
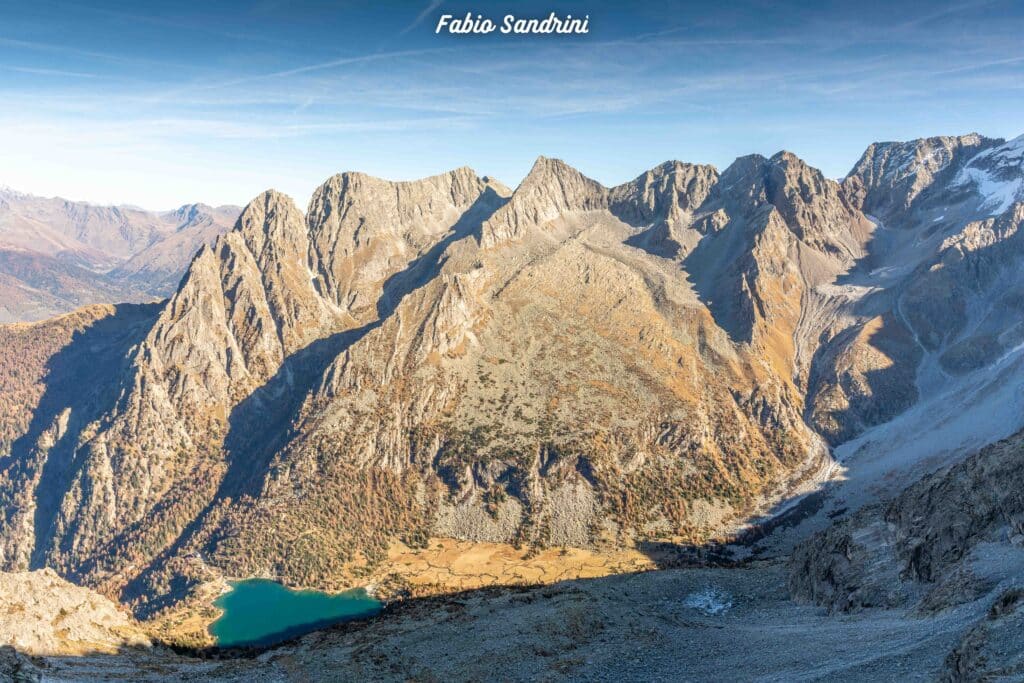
(976, 66)
(68, 50)
(700, 86)
(927, 17)
(432, 7)
(39, 71)
(192, 131)
(310, 68)
(210, 28)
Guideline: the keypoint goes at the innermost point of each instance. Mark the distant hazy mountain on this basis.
(57, 255)
(565, 365)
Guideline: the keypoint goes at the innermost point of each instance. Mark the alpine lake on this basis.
(261, 612)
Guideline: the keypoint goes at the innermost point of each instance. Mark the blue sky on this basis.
(157, 104)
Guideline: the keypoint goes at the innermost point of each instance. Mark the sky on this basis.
(157, 104)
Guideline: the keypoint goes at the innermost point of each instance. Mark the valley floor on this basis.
(644, 626)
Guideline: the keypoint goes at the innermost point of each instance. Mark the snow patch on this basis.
(998, 195)
(711, 601)
(997, 174)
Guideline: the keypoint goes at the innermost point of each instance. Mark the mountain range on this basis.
(57, 255)
(665, 366)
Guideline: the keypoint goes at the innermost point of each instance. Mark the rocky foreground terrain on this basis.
(927, 587)
(417, 385)
(45, 615)
(57, 255)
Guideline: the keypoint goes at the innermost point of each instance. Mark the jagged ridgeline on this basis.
(562, 365)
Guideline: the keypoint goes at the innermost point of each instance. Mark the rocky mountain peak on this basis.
(890, 176)
(245, 303)
(557, 181)
(667, 191)
(787, 168)
(550, 189)
(812, 205)
(188, 213)
(271, 216)
(744, 166)
(741, 184)
(460, 185)
(364, 229)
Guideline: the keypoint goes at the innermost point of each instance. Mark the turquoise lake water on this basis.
(263, 612)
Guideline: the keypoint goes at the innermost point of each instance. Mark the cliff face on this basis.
(563, 365)
(927, 545)
(954, 538)
(892, 179)
(45, 615)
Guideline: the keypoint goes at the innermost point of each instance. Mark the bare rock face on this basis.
(45, 615)
(367, 229)
(670, 190)
(990, 651)
(779, 231)
(867, 378)
(663, 202)
(814, 207)
(551, 189)
(891, 554)
(974, 275)
(890, 177)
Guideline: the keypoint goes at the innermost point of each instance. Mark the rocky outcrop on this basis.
(17, 667)
(43, 614)
(891, 178)
(990, 650)
(919, 545)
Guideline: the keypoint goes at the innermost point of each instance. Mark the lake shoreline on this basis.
(260, 612)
